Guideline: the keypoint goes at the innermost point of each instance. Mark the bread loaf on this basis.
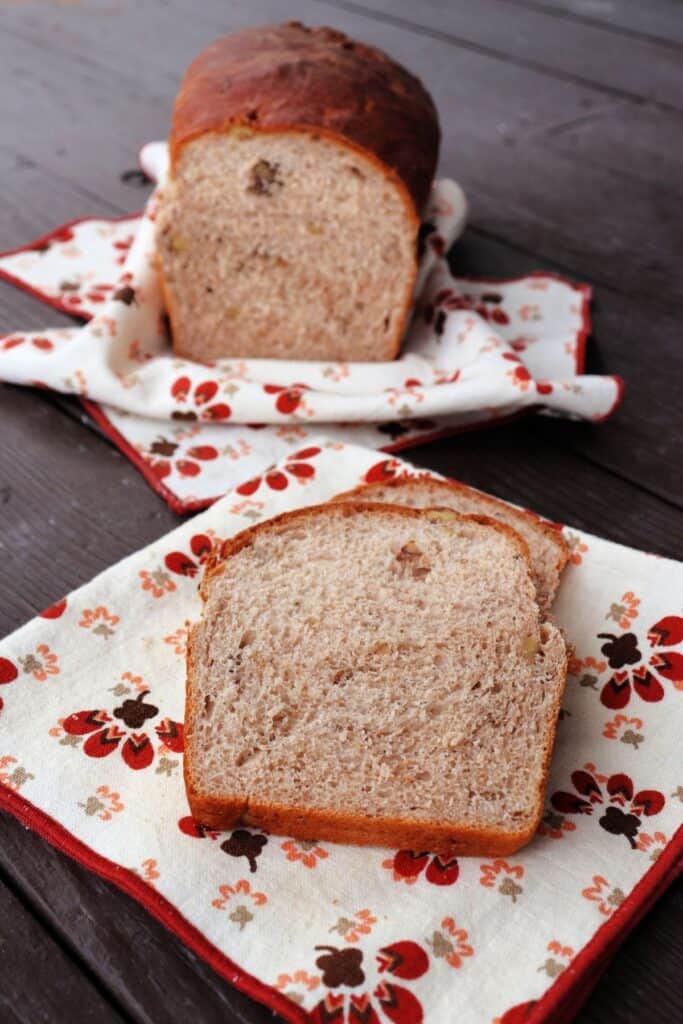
(547, 547)
(300, 163)
(373, 674)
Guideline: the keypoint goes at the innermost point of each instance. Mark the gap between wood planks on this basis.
(563, 11)
(491, 51)
(91, 980)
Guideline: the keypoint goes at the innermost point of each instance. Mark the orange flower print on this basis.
(287, 984)
(554, 965)
(608, 899)
(588, 680)
(41, 664)
(625, 729)
(652, 844)
(101, 621)
(530, 311)
(451, 943)
(241, 915)
(104, 803)
(12, 774)
(351, 928)
(553, 824)
(625, 610)
(507, 886)
(158, 582)
(148, 870)
(305, 850)
(247, 508)
(577, 547)
(178, 640)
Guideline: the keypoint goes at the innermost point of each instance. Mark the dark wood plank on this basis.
(494, 113)
(139, 964)
(72, 505)
(627, 66)
(30, 954)
(661, 20)
(631, 338)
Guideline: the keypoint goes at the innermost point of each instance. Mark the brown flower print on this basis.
(618, 793)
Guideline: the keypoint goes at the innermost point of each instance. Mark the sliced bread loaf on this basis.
(300, 164)
(547, 547)
(373, 674)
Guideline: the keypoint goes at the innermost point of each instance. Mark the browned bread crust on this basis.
(289, 77)
(226, 811)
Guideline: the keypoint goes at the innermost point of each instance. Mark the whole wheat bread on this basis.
(373, 674)
(547, 547)
(300, 164)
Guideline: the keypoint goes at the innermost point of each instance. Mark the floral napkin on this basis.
(476, 351)
(91, 747)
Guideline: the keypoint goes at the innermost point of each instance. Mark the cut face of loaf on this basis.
(547, 548)
(284, 244)
(373, 674)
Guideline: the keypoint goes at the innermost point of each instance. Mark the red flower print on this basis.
(618, 793)
(41, 343)
(488, 305)
(201, 546)
(192, 828)
(189, 464)
(519, 374)
(8, 671)
(632, 673)
(104, 735)
(407, 867)
(296, 465)
(201, 395)
(122, 247)
(288, 398)
(55, 611)
(344, 968)
(387, 469)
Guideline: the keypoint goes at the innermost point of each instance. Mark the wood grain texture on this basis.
(30, 953)
(562, 121)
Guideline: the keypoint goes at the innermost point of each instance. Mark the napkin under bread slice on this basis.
(373, 674)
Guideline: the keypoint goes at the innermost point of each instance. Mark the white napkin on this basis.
(476, 351)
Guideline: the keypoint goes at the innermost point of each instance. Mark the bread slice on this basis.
(547, 547)
(300, 164)
(373, 674)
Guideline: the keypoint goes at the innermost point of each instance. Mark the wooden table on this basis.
(562, 120)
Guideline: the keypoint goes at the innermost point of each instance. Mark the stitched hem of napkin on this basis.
(181, 507)
(36, 293)
(131, 883)
(558, 1005)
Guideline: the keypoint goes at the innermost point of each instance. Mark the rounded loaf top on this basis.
(280, 77)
